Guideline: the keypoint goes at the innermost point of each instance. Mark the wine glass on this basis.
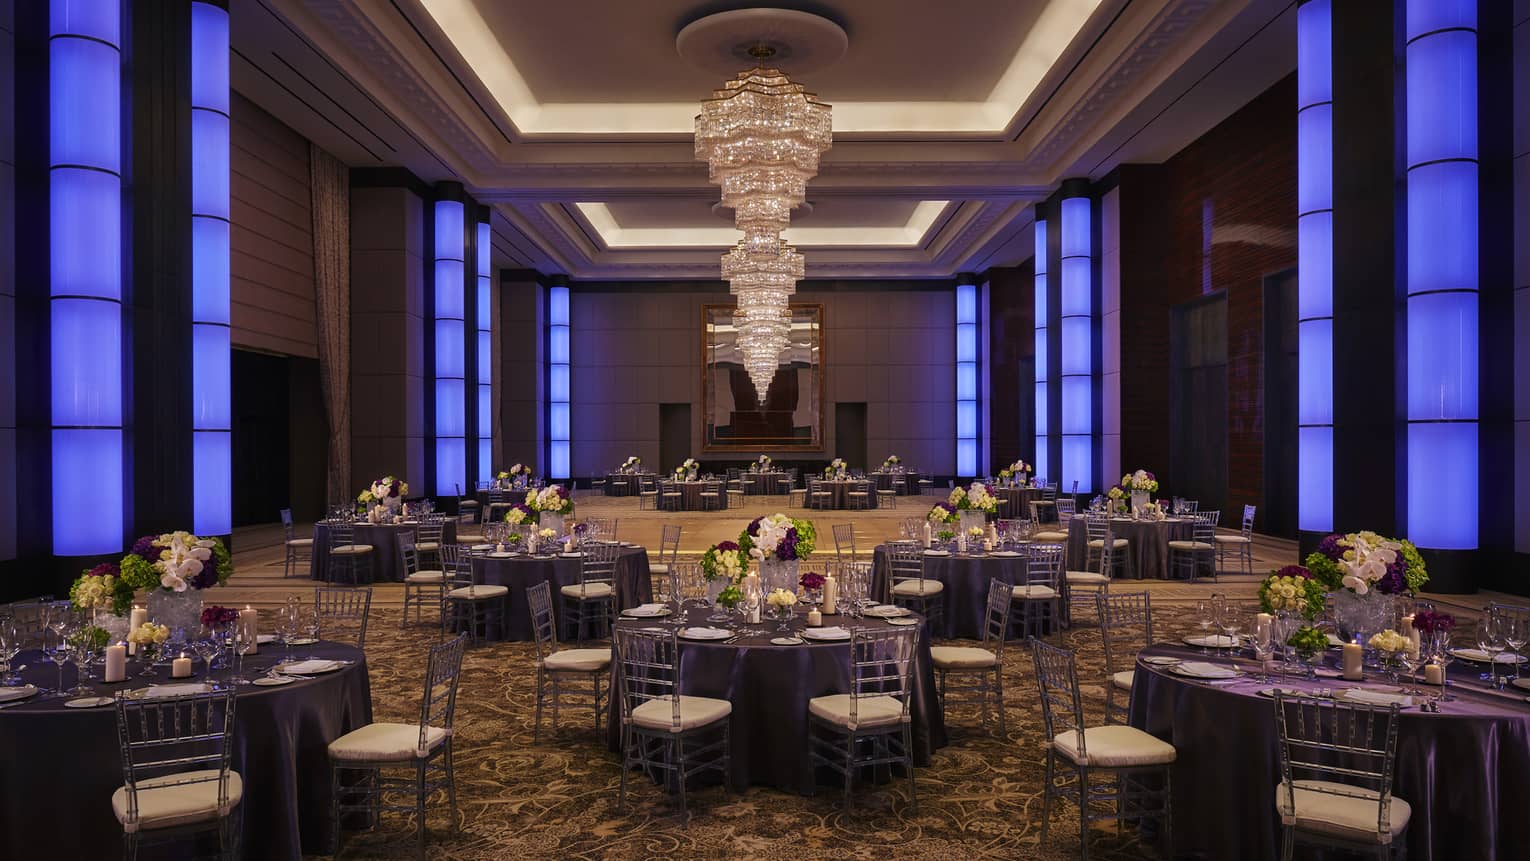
(1206, 615)
(1490, 642)
(1516, 632)
(10, 647)
(1440, 653)
(1410, 660)
(238, 639)
(81, 653)
(59, 654)
(1231, 621)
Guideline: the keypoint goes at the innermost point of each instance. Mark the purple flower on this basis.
(105, 569)
(950, 509)
(1294, 571)
(145, 548)
(214, 616)
(1431, 622)
(726, 547)
(812, 580)
(753, 529)
(1332, 547)
(1395, 581)
(787, 549)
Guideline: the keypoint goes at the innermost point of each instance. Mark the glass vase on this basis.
(778, 574)
(176, 610)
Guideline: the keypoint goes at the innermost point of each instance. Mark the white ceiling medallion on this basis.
(761, 136)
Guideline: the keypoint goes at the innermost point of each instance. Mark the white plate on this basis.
(1202, 670)
(827, 635)
(309, 667)
(1373, 698)
(1005, 554)
(886, 611)
(902, 622)
(171, 689)
(937, 553)
(1290, 692)
(574, 555)
(302, 641)
(263, 639)
(1160, 661)
(482, 547)
(88, 702)
(1521, 683)
(274, 681)
(1477, 656)
(10, 695)
(1213, 641)
(639, 613)
(501, 554)
(786, 641)
(705, 633)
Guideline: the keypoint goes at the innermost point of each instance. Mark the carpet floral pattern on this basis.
(981, 797)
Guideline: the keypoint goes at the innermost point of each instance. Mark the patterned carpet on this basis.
(981, 798)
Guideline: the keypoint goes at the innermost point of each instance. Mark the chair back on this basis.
(1001, 598)
(669, 544)
(438, 706)
(1108, 549)
(1044, 565)
(30, 618)
(881, 665)
(1204, 527)
(1336, 743)
(1036, 511)
(1126, 624)
(1097, 526)
(598, 564)
(408, 558)
(287, 527)
(456, 565)
(544, 627)
(160, 738)
(1192, 505)
(689, 582)
(430, 529)
(905, 561)
(1248, 521)
(341, 533)
(1065, 507)
(844, 540)
(342, 612)
(647, 661)
(1057, 682)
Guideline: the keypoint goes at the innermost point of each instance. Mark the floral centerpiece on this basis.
(836, 467)
(779, 543)
(973, 504)
(631, 464)
(812, 583)
(148, 637)
(516, 475)
(782, 603)
(519, 514)
(764, 462)
(1292, 589)
(1016, 472)
(687, 469)
(1115, 499)
(942, 512)
(1362, 572)
(388, 492)
(552, 503)
(102, 588)
(1139, 485)
(1307, 642)
(1430, 622)
(175, 568)
(891, 462)
(724, 566)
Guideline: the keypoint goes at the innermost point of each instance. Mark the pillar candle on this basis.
(180, 668)
(1353, 656)
(927, 535)
(830, 595)
(1411, 633)
(116, 662)
(249, 624)
(1262, 627)
(961, 541)
(136, 619)
(814, 618)
(1434, 674)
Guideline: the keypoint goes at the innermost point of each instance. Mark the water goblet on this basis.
(1516, 631)
(10, 647)
(1207, 620)
(1440, 653)
(82, 652)
(1490, 642)
(238, 641)
(1411, 660)
(59, 655)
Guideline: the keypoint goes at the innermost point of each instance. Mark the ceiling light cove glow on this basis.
(1043, 44)
(910, 235)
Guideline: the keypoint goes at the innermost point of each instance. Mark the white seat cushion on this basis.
(1115, 747)
(1351, 818)
(1190, 545)
(1100, 542)
(587, 590)
(659, 568)
(1037, 593)
(1050, 536)
(578, 660)
(428, 546)
(1123, 679)
(385, 742)
(870, 711)
(478, 593)
(694, 712)
(1234, 539)
(468, 503)
(300, 542)
(426, 577)
(918, 588)
(961, 657)
(350, 550)
(1086, 578)
(170, 806)
(471, 539)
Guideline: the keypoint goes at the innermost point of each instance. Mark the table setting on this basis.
(518, 569)
(1149, 538)
(384, 539)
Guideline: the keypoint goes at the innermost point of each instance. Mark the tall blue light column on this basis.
(484, 357)
(212, 422)
(450, 353)
(85, 275)
(1043, 461)
(558, 326)
(967, 356)
(1078, 322)
(1442, 283)
(1314, 170)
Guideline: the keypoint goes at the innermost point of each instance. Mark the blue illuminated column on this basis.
(450, 353)
(557, 379)
(484, 357)
(1314, 170)
(1442, 273)
(1043, 346)
(966, 376)
(85, 275)
(211, 417)
(1076, 372)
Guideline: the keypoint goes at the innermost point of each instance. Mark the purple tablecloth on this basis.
(770, 686)
(905, 483)
(839, 493)
(1149, 541)
(625, 484)
(633, 586)
(690, 495)
(59, 766)
(764, 483)
(1020, 499)
(384, 538)
(1465, 770)
(966, 579)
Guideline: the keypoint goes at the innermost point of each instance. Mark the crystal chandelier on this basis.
(761, 136)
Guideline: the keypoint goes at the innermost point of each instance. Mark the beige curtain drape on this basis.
(330, 196)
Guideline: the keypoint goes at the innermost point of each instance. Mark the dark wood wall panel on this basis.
(1218, 216)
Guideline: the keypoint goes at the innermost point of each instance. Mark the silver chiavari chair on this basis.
(876, 710)
(561, 672)
(298, 550)
(1240, 546)
(355, 560)
(982, 669)
(343, 612)
(909, 587)
(1041, 595)
(423, 587)
(1126, 627)
(592, 601)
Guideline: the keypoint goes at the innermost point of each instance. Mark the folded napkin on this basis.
(1201, 668)
(886, 610)
(705, 633)
(313, 665)
(647, 610)
(1377, 698)
(21, 693)
(157, 692)
(1216, 641)
(1483, 657)
(834, 632)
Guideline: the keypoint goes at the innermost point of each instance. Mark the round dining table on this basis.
(965, 576)
(518, 572)
(769, 687)
(768, 483)
(1465, 770)
(839, 493)
(384, 538)
(1148, 539)
(59, 766)
(1019, 501)
(626, 483)
(691, 495)
(904, 482)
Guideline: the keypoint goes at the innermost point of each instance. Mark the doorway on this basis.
(850, 434)
(674, 436)
(1198, 402)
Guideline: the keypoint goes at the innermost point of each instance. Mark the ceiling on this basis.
(572, 119)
